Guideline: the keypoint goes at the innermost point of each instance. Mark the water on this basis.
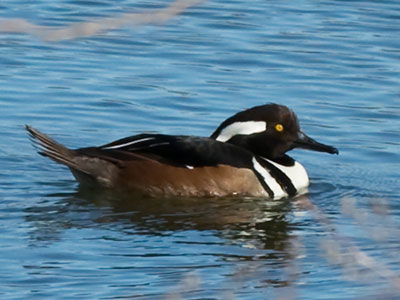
(335, 63)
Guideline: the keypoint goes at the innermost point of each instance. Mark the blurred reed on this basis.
(90, 28)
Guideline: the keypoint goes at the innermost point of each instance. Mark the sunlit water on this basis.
(335, 63)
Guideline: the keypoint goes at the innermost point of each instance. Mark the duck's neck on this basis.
(284, 160)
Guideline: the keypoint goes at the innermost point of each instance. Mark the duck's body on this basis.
(244, 156)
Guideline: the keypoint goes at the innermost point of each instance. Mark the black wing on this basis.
(185, 151)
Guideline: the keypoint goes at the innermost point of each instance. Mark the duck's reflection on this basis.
(258, 221)
(254, 220)
(250, 236)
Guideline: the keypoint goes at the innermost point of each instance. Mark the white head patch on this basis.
(246, 128)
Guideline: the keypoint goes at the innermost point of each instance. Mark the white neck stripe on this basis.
(245, 128)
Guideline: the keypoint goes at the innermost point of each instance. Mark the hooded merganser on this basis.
(244, 156)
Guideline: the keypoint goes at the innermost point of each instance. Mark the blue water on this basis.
(335, 63)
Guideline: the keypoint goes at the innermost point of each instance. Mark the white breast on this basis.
(296, 173)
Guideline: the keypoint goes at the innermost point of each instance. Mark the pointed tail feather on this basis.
(87, 169)
(53, 150)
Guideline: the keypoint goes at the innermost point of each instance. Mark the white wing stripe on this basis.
(129, 143)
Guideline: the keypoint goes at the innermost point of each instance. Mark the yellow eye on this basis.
(279, 127)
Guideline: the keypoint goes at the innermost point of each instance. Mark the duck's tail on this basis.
(87, 169)
(48, 147)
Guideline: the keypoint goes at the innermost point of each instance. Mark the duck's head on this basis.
(267, 130)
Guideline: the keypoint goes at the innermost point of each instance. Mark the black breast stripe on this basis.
(264, 184)
(283, 180)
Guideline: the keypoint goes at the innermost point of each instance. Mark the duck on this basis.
(245, 156)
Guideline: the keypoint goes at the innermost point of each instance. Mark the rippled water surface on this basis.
(335, 63)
